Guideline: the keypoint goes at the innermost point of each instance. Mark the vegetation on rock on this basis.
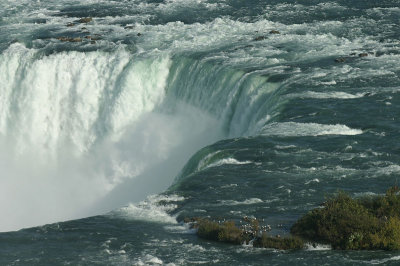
(346, 223)
(228, 232)
(285, 243)
(343, 222)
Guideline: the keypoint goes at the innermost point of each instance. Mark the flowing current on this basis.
(120, 118)
(75, 126)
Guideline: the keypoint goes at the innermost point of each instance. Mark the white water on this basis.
(307, 129)
(228, 161)
(83, 133)
(150, 209)
(326, 95)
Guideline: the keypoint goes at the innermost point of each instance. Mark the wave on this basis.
(307, 129)
(250, 201)
(155, 208)
(231, 161)
(385, 260)
(317, 247)
(326, 95)
(149, 260)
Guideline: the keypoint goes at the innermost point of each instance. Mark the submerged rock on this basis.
(85, 20)
(93, 38)
(340, 60)
(78, 39)
(274, 32)
(69, 39)
(259, 38)
(63, 39)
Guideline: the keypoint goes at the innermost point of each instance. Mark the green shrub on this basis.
(208, 229)
(278, 243)
(346, 223)
(226, 232)
(388, 237)
(229, 233)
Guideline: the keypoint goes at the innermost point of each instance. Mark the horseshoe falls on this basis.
(118, 119)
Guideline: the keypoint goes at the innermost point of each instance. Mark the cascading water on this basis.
(75, 125)
(83, 133)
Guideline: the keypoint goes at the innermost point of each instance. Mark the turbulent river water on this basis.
(115, 128)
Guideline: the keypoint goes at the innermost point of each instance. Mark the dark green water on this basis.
(197, 104)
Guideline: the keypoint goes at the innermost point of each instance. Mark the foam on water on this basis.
(388, 170)
(250, 201)
(307, 129)
(315, 180)
(232, 161)
(326, 95)
(317, 247)
(154, 209)
(386, 260)
(214, 160)
(149, 260)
